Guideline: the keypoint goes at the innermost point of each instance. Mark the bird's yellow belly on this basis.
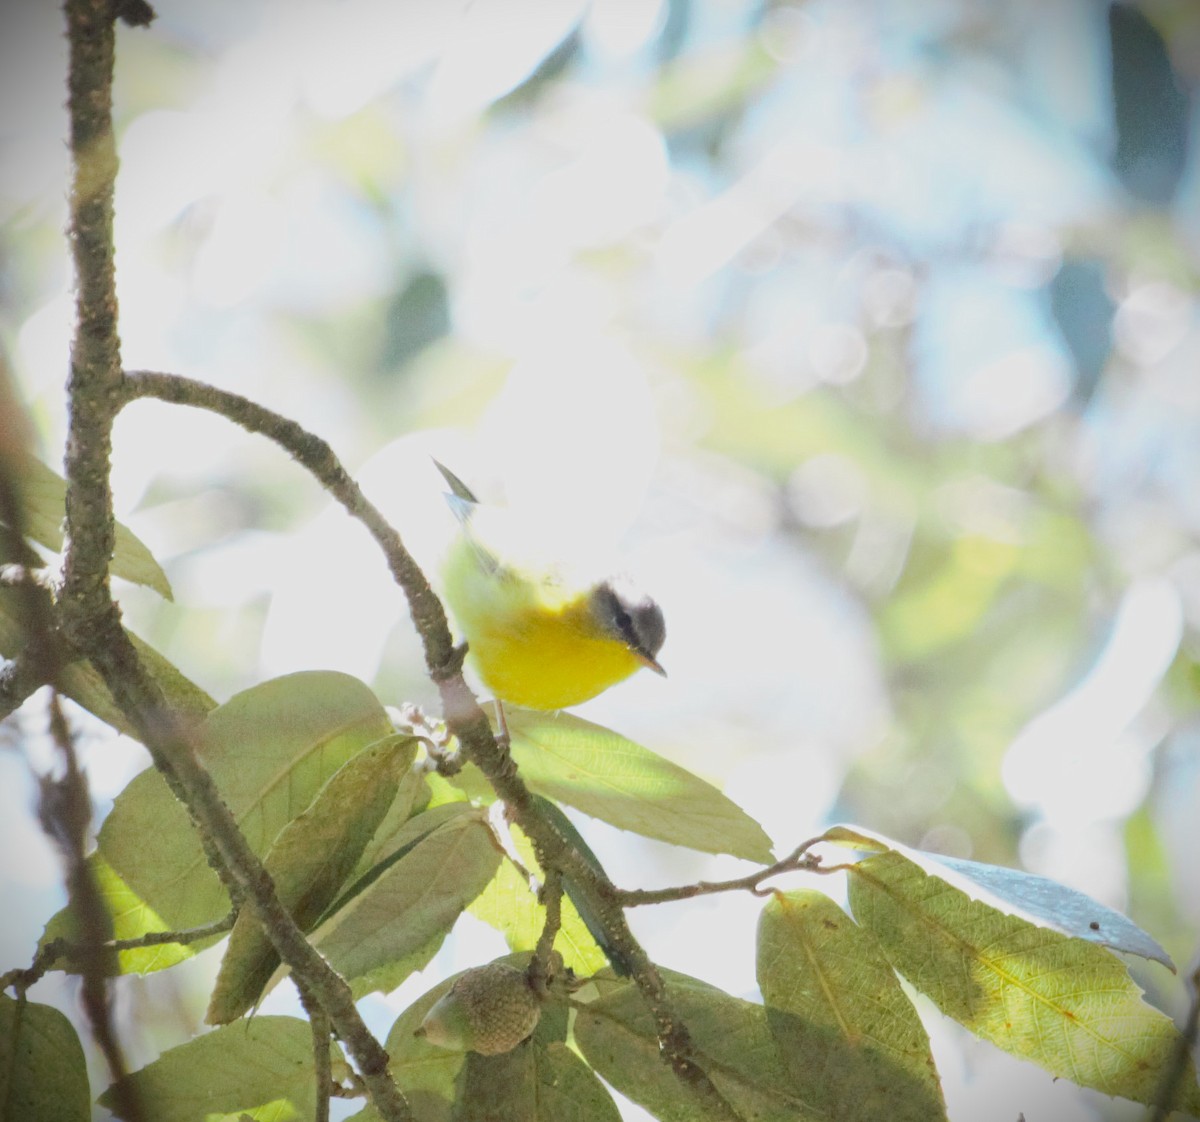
(542, 661)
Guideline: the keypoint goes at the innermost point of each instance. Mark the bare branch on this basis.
(799, 860)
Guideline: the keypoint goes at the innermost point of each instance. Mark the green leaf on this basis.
(411, 797)
(400, 843)
(269, 750)
(43, 1074)
(241, 1067)
(131, 918)
(532, 1083)
(601, 773)
(81, 682)
(309, 862)
(733, 1044)
(43, 496)
(410, 907)
(510, 905)
(1016, 892)
(850, 1037)
(1062, 1003)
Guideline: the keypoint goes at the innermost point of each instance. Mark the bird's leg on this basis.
(502, 736)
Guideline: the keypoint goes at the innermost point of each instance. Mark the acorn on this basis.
(489, 1010)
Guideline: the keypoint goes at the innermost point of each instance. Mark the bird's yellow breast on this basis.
(533, 641)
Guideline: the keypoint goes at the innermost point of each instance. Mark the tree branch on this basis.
(464, 717)
(90, 618)
(18, 680)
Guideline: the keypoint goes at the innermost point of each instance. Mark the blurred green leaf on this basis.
(607, 776)
(419, 314)
(81, 682)
(44, 492)
(43, 1074)
(381, 934)
(708, 84)
(849, 1035)
(1062, 1003)
(309, 862)
(947, 607)
(240, 1067)
(269, 750)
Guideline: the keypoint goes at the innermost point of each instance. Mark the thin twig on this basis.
(318, 1022)
(53, 952)
(539, 969)
(799, 860)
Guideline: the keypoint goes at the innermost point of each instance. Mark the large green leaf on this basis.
(607, 776)
(269, 750)
(43, 1074)
(1063, 1003)
(1016, 892)
(533, 1083)
(309, 862)
(850, 1037)
(43, 496)
(394, 925)
(733, 1044)
(241, 1067)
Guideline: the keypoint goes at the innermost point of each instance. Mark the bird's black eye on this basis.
(631, 616)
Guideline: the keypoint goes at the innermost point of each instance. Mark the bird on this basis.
(540, 632)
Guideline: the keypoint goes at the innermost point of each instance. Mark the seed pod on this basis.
(489, 1010)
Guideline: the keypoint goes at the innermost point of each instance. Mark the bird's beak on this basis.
(651, 663)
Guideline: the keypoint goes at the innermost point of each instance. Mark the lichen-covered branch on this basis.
(90, 619)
